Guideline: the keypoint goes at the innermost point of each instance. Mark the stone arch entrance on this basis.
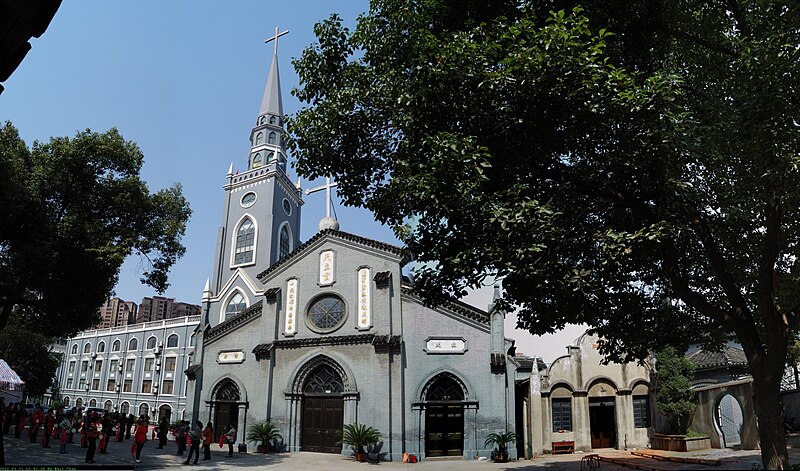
(729, 419)
(225, 400)
(444, 397)
(164, 411)
(602, 414)
(323, 409)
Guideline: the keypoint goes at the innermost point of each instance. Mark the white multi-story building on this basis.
(134, 369)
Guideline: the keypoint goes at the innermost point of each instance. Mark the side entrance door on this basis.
(323, 419)
(226, 414)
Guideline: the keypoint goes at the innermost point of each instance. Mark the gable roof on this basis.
(453, 305)
(728, 356)
(240, 319)
(333, 233)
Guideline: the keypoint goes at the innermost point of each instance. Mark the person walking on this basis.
(195, 435)
(36, 423)
(207, 437)
(139, 437)
(48, 423)
(91, 432)
(19, 420)
(230, 436)
(163, 428)
(65, 425)
(128, 424)
(180, 436)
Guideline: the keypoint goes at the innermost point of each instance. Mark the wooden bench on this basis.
(567, 446)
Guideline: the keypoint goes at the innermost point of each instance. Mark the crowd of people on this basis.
(98, 428)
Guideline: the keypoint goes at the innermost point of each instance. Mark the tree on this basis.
(29, 354)
(674, 398)
(72, 211)
(631, 166)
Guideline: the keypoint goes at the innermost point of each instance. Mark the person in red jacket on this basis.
(36, 424)
(47, 425)
(139, 437)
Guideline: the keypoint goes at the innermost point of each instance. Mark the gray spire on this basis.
(271, 103)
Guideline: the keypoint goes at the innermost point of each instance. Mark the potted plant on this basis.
(358, 436)
(501, 441)
(263, 433)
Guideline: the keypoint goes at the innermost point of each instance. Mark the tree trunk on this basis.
(769, 412)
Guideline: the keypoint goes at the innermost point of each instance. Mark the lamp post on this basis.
(156, 381)
(117, 388)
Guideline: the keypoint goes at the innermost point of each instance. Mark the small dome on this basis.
(328, 223)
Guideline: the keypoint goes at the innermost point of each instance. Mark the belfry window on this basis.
(245, 242)
(283, 246)
(259, 138)
(271, 138)
(257, 160)
(235, 306)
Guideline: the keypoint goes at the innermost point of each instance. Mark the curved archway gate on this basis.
(444, 400)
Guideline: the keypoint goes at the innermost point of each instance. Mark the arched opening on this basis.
(323, 409)
(225, 401)
(93, 403)
(729, 420)
(66, 400)
(78, 403)
(602, 414)
(144, 410)
(444, 397)
(245, 242)
(125, 408)
(172, 341)
(108, 405)
(164, 411)
(236, 304)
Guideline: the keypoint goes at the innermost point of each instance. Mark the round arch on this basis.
(728, 419)
(561, 384)
(596, 385)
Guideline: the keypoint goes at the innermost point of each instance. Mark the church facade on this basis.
(318, 335)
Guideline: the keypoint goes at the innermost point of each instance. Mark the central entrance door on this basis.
(322, 423)
(602, 422)
(444, 430)
(226, 407)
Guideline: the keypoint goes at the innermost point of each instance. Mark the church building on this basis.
(315, 335)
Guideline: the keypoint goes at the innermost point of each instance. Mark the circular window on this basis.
(326, 313)
(248, 200)
(287, 208)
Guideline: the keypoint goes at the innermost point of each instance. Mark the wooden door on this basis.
(444, 430)
(225, 415)
(602, 422)
(323, 419)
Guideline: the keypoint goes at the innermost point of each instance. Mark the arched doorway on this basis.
(144, 410)
(323, 410)
(602, 415)
(444, 397)
(108, 406)
(226, 400)
(164, 411)
(729, 419)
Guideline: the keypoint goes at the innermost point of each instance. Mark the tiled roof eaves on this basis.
(242, 318)
(455, 306)
(393, 249)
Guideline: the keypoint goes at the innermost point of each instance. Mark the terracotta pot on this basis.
(501, 457)
(262, 448)
(362, 457)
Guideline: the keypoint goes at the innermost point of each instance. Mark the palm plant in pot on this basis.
(501, 441)
(358, 436)
(263, 433)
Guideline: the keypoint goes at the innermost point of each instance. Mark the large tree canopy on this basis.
(72, 210)
(632, 165)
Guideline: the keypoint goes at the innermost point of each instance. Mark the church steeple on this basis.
(272, 104)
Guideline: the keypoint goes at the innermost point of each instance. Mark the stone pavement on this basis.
(21, 452)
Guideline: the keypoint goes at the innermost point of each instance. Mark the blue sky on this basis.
(184, 80)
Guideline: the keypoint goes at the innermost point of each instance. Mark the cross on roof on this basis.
(327, 187)
(275, 38)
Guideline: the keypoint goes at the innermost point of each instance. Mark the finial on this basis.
(496, 295)
(207, 290)
(230, 170)
(297, 185)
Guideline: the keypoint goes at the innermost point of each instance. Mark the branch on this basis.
(738, 15)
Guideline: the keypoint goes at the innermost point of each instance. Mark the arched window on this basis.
(323, 379)
(75, 349)
(66, 400)
(78, 402)
(235, 305)
(262, 120)
(444, 388)
(93, 403)
(259, 138)
(87, 348)
(273, 120)
(107, 406)
(133, 344)
(151, 343)
(125, 408)
(227, 391)
(101, 347)
(144, 409)
(257, 160)
(172, 341)
(191, 341)
(115, 346)
(245, 242)
(284, 245)
(271, 138)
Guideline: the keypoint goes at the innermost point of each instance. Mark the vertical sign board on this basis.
(364, 312)
(326, 267)
(290, 327)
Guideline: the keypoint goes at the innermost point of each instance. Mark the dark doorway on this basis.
(322, 423)
(444, 430)
(226, 414)
(602, 422)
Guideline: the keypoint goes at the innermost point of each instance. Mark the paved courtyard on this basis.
(22, 453)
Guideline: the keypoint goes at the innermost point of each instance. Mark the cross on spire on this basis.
(275, 38)
(327, 187)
